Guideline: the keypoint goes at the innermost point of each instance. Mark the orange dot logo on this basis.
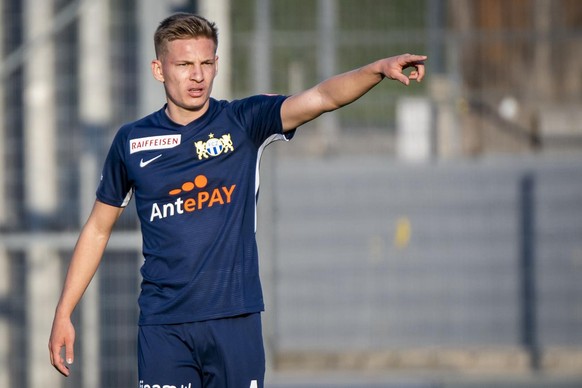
(199, 182)
(188, 186)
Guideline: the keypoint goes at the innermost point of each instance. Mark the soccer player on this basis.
(192, 168)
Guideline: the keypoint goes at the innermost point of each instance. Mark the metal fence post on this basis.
(527, 272)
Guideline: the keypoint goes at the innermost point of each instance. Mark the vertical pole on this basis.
(151, 13)
(95, 113)
(42, 264)
(327, 20)
(528, 295)
(41, 185)
(266, 228)
(40, 129)
(218, 11)
(458, 46)
(3, 207)
(328, 124)
(436, 21)
(4, 262)
(435, 18)
(543, 60)
(262, 47)
(4, 318)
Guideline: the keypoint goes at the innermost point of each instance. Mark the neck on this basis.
(185, 116)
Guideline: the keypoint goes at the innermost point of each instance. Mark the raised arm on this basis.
(84, 263)
(345, 88)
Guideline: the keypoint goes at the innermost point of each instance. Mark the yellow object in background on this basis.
(403, 233)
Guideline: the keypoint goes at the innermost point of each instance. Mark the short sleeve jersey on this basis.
(195, 189)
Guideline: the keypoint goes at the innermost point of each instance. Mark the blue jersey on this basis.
(195, 189)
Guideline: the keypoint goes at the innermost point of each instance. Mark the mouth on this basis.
(196, 92)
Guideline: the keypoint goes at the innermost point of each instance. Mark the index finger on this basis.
(57, 361)
(415, 58)
(416, 61)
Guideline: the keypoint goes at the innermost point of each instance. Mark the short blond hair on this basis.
(183, 26)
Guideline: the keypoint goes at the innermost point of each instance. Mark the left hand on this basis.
(393, 67)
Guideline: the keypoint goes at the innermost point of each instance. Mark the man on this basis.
(192, 167)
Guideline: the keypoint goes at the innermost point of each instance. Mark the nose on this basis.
(196, 73)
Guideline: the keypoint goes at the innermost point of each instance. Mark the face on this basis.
(187, 69)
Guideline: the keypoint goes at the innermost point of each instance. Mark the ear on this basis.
(216, 64)
(157, 70)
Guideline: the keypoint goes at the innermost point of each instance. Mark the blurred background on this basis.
(424, 236)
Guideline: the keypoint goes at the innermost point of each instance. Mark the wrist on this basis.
(62, 312)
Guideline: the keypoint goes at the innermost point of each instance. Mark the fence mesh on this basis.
(363, 252)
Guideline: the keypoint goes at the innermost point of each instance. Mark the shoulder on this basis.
(257, 105)
(260, 99)
(135, 128)
(248, 102)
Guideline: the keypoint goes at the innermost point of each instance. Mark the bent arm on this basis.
(346, 88)
(84, 263)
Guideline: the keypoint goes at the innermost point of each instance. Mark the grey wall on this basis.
(372, 254)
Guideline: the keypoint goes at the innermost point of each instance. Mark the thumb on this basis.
(402, 78)
(69, 350)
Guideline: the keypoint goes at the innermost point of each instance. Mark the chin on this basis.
(196, 104)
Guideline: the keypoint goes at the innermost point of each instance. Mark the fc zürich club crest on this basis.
(214, 146)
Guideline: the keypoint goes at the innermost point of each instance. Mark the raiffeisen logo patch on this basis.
(154, 143)
(192, 196)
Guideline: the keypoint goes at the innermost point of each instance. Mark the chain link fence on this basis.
(430, 227)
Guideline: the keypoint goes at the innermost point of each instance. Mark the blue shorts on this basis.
(221, 353)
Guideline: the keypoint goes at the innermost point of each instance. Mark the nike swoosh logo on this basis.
(143, 163)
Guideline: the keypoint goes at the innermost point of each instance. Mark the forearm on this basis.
(328, 95)
(84, 263)
(83, 266)
(346, 88)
